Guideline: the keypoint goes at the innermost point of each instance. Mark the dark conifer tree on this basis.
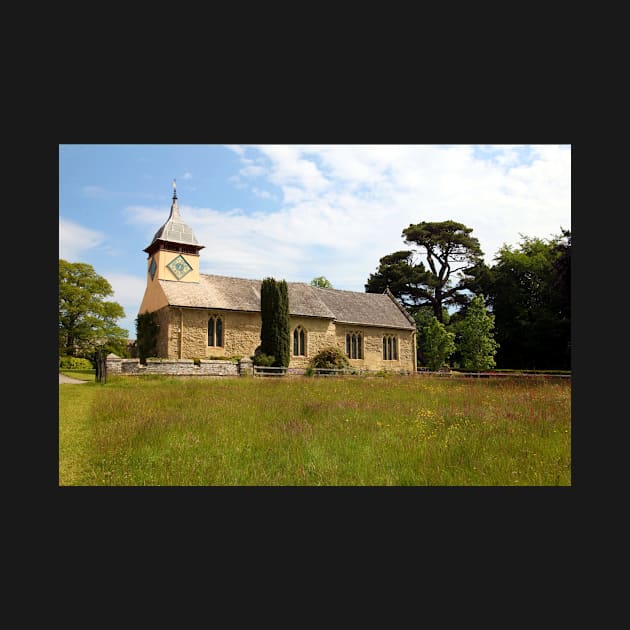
(267, 299)
(282, 333)
(275, 339)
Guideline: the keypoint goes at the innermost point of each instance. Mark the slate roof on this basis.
(175, 229)
(239, 294)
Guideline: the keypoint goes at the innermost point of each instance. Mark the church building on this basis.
(211, 316)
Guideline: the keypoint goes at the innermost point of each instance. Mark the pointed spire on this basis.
(175, 229)
(175, 205)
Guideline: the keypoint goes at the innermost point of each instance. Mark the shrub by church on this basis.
(205, 315)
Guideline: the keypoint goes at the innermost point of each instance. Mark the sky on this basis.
(296, 212)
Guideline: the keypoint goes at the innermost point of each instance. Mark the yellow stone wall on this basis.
(184, 335)
(154, 298)
(163, 257)
(373, 347)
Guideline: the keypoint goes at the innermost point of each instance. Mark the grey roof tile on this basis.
(240, 294)
(175, 230)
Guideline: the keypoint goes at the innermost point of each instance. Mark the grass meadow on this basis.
(348, 431)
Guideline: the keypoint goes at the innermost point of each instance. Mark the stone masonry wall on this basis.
(373, 348)
(188, 328)
(175, 367)
(241, 334)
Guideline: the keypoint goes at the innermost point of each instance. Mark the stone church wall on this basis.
(187, 329)
(373, 347)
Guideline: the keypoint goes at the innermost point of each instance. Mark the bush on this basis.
(74, 363)
(263, 360)
(331, 358)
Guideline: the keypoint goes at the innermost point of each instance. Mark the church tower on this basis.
(172, 255)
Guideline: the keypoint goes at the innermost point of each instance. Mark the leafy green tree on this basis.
(451, 254)
(561, 300)
(275, 339)
(321, 282)
(475, 339)
(86, 318)
(530, 299)
(436, 344)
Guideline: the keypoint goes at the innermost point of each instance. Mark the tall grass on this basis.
(300, 431)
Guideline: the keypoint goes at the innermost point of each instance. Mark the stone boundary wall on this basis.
(179, 367)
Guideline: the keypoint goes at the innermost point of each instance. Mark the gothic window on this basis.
(215, 331)
(298, 342)
(390, 348)
(219, 330)
(354, 345)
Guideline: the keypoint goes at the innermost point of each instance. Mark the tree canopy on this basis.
(86, 318)
(322, 282)
(435, 343)
(451, 254)
(475, 337)
(529, 290)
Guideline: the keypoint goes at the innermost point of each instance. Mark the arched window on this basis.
(215, 331)
(219, 329)
(390, 348)
(211, 331)
(299, 347)
(354, 345)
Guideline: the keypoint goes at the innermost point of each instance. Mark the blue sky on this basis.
(295, 212)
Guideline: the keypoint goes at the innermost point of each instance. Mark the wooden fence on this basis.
(283, 371)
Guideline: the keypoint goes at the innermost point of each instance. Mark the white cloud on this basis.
(237, 148)
(126, 287)
(263, 194)
(252, 171)
(289, 168)
(344, 207)
(75, 239)
(187, 175)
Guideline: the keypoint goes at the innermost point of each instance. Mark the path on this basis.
(66, 379)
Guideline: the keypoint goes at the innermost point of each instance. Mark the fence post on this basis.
(101, 367)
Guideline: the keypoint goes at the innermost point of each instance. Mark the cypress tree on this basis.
(282, 333)
(275, 338)
(267, 299)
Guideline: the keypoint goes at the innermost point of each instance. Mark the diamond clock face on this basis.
(179, 267)
(152, 268)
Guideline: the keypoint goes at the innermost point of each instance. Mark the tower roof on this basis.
(175, 230)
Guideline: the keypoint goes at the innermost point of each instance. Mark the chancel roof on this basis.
(239, 294)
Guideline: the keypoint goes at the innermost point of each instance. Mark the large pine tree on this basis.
(451, 254)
